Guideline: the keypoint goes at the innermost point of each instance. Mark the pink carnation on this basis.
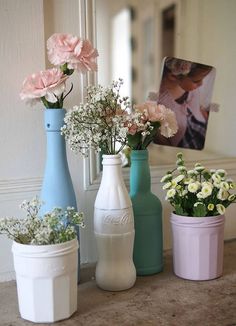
(47, 83)
(132, 129)
(77, 53)
(169, 125)
(157, 112)
(151, 111)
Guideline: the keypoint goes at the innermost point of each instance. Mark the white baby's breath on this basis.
(56, 226)
(101, 123)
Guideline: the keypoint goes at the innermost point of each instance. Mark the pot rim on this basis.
(48, 246)
(194, 221)
(197, 217)
(110, 156)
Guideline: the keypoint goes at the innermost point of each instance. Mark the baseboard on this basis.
(7, 276)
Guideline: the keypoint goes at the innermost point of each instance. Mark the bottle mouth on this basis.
(110, 156)
(111, 159)
(139, 154)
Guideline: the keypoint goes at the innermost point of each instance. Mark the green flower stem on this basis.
(45, 102)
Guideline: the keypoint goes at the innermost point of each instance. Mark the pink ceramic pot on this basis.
(198, 246)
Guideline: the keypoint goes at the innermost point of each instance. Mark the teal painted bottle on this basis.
(148, 243)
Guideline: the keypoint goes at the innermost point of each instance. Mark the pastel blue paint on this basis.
(57, 189)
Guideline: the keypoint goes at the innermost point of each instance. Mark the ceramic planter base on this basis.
(198, 246)
(46, 279)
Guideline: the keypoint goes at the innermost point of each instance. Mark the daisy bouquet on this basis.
(198, 192)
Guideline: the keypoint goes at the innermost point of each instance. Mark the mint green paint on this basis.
(148, 243)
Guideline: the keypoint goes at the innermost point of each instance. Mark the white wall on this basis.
(207, 35)
(25, 25)
(22, 138)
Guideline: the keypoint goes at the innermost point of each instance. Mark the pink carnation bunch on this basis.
(145, 121)
(68, 53)
(71, 50)
(47, 85)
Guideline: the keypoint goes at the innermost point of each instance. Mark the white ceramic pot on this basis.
(198, 246)
(114, 229)
(46, 277)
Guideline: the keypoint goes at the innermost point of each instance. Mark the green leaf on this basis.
(206, 174)
(179, 210)
(199, 210)
(135, 141)
(66, 70)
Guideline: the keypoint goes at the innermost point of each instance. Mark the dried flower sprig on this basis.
(198, 192)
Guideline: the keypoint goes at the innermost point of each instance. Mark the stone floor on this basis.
(162, 299)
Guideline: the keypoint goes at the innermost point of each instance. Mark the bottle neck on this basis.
(56, 147)
(111, 167)
(140, 179)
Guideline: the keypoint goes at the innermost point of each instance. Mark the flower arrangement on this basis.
(106, 122)
(67, 53)
(51, 229)
(145, 121)
(100, 123)
(198, 192)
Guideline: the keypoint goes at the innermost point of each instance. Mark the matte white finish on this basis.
(114, 229)
(46, 279)
(198, 246)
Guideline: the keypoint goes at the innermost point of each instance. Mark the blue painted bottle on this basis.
(57, 189)
(148, 243)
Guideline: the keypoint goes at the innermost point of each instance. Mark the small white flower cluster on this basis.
(100, 123)
(55, 227)
(198, 192)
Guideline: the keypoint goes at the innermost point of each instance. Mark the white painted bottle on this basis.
(114, 229)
